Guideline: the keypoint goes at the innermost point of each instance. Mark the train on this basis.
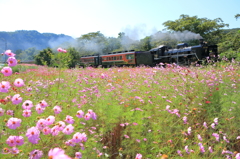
(181, 55)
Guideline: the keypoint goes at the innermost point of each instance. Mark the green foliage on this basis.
(44, 57)
(22, 68)
(230, 45)
(237, 16)
(209, 29)
(75, 57)
(62, 60)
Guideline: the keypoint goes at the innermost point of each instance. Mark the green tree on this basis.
(62, 60)
(237, 16)
(75, 57)
(210, 30)
(44, 57)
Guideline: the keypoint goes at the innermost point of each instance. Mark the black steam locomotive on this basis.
(182, 55)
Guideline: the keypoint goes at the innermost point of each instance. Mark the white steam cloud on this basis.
(180, 36)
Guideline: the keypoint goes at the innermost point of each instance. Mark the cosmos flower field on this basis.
(141, 112)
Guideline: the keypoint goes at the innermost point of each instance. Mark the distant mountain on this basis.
(24, 39)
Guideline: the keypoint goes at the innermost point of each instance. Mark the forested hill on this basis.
(24, 39)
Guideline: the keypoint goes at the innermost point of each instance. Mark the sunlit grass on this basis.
(139, 110)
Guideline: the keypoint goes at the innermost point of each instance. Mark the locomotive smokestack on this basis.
(201, 41)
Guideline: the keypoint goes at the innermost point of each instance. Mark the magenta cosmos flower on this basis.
(78, 155)
(9, 53)
(1, 111)
(16, 99)
(50, 120)
(4, 86)
(61, 50)
(36, 154)
(27, 113)
(27, 105)
(68, 129)
(18, 82)
(13, 123)
(57, 153)
(80, 114)
(6, 71)
(69, 119)
(57, 109)
(12, 61)
(138, 156)
(33, 135)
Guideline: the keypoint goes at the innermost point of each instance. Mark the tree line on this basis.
(212, 31)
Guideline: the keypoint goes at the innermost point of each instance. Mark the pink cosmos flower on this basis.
(69, 119)
(216, 121)
(57, 109)
(55, 131)
(46, 130)
(4, 86)
(11, 141)
(201, 147)
(199, 137)
(43, 104)
(78, 155)
(50, 120)
(237, 156)
(9, 53)
(27, 105)
(80, 114)
(33, 135)
(27, 113)
(39, 109)
(14, 150)
(179, 153)
(57, 153)
(126, 136)
(185, 120)
(13, 123)
(68, 129)
(70, 143)
(189, 130)
(186, 149)
(41, 123)
(19, 140)
(1, 111)
(138, 156)
(60, 125)
(216, 136)
(10, 112)
(205, 125)
(12, 61)
(18, 82)
(16, 99)
(59, 49)
(79, 137)
(87, 116)
(6, 71)
(36, 154)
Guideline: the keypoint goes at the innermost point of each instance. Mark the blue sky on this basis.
(137, 18)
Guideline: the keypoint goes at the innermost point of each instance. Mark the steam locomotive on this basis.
(181, 55)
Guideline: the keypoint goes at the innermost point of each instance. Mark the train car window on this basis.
(114, 58)
(120, 57)
(117, 57)
(129, 57)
